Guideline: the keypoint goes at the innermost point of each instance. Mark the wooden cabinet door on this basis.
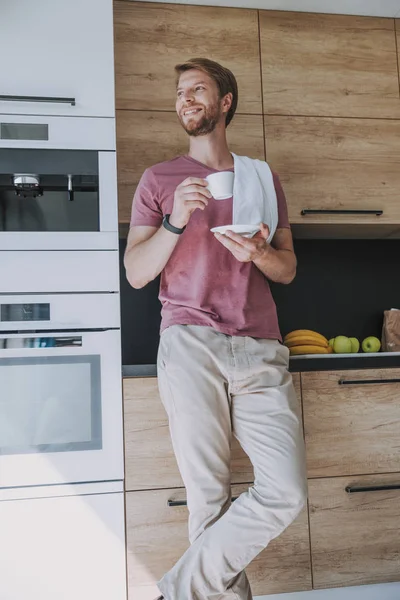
(329, 65)
(151, 38)
(149, 458)
(337, 165)
(157, 537)
(351, 421)
(355, 536)
(145, 138)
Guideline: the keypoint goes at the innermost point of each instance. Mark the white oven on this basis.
(60, 390)
(58, 183)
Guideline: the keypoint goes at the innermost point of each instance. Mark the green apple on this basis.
(355, 345)
(342, 345)
(331, 342)
(371, 344)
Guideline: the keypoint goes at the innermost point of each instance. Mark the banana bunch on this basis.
(305, 341)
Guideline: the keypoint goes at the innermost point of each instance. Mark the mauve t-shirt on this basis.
(203, 283)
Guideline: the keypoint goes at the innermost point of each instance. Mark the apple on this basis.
(355, 345)
(331, 342)
(371, 344)
(342, 345)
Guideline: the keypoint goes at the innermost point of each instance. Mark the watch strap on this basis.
(170, 227)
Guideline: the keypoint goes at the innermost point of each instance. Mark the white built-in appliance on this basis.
(60, 390)
(58, 183)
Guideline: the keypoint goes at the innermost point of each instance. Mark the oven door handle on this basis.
(47, 99)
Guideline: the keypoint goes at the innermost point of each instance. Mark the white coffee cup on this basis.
(221, 184)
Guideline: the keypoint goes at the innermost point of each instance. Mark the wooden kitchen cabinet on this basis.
(150, 39)
(351, 421)
(149, 458)
(53, 49)
(145, 138)
(337, 164)
(349, 65)
(354, 536)
(157, 537)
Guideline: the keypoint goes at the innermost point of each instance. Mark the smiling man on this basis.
(222, 369)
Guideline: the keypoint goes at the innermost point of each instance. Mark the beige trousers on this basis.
(213, 385)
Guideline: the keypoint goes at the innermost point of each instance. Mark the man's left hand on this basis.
(246, 249)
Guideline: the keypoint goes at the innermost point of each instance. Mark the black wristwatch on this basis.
(170, 227)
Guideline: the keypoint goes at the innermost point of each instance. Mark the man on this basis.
(221, 366)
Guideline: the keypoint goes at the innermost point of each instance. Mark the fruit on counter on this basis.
(371, 344)
(307, 349)
(305, 340)
(331, 342)
(305, 332)
(341, 345)
(355, 345)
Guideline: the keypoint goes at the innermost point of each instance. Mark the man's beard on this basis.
(206, 124)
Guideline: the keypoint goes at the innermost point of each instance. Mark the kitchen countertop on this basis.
(309, 362)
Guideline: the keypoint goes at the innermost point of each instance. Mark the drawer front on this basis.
(157, 537)
(351, 421)
(149, 458)
(355, 536)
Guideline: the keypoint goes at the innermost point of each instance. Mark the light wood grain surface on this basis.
(151, 38)
(351, 429)
(329, 65)
(157, 537)
(148, 137)
(149, 458)
(354, 537)
(326, 163)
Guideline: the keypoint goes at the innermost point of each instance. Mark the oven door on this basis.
(60, 408)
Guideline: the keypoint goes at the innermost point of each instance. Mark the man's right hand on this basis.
(192, 193)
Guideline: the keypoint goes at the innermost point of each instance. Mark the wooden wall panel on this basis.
(151, 38)
(148, 137)
(327, 163)
(329, 65)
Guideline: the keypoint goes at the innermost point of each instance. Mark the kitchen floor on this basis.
(387, 591)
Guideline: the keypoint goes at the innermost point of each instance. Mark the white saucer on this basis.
(245, 230)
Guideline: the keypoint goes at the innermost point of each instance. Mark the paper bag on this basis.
(391, 331)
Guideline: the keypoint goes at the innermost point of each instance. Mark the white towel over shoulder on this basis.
(254, 196)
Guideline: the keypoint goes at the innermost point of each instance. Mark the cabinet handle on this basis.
(331, 211)
(50, 99)
(374, 488)
(184, 503)
(366, 381)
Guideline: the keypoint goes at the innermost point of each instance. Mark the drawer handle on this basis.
(339, 211)
(366, 381)
(184, 503)
(374, 488)
(50, 99)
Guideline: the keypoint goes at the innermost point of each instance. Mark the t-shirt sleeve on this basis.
(283, 219)
(145, 206)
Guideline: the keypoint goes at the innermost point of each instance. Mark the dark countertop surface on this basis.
(331, 362)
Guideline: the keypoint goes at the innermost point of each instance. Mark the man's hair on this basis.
(223, 77)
